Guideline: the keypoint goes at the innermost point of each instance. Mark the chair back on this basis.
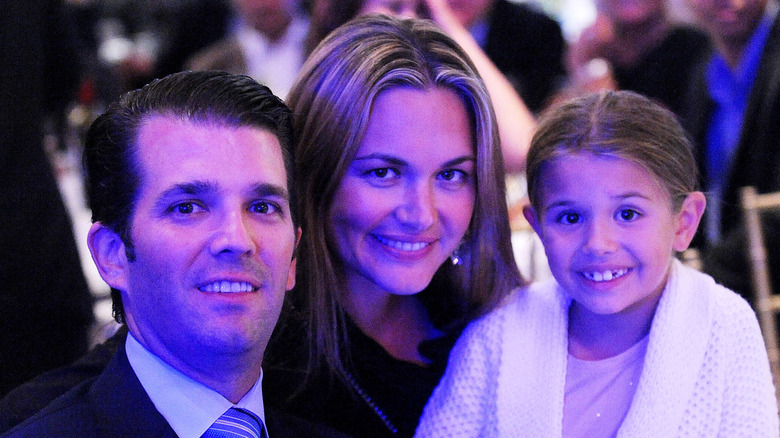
(766, 302)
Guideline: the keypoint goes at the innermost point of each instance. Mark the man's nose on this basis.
(233, 234)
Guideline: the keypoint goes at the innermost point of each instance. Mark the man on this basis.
(267, 42)
(644, 48)
(732, 112)
(195, 231)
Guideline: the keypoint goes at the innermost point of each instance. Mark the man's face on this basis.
(632, 13)
(213, 241)
(732, 21)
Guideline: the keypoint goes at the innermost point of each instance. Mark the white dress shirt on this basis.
(187, 405)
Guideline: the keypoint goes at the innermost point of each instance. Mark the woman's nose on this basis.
(418, 209)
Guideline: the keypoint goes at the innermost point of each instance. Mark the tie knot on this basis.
(236, 422)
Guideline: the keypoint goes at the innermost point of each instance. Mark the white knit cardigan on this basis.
(706, 372)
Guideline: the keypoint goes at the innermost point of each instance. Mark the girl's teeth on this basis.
(605, 276)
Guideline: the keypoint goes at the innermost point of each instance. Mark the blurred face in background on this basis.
(731, 21)
(269, 17)
(631, 13)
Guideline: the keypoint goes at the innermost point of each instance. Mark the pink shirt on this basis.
(598, 393)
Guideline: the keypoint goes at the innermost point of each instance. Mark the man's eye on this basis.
(186, 208)
(264, 208)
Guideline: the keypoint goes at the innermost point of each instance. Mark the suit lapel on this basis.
(121, 406)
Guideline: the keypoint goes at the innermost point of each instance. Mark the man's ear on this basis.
(688, 220)
(108, 253)
(530, 215)
(293, 263)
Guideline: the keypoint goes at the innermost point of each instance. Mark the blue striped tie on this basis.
(236, 422)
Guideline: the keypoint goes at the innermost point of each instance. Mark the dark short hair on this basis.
(201, 97)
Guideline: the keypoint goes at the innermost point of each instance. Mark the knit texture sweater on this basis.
(705, 373)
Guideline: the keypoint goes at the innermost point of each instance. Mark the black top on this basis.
(385, 397)
(664, 72)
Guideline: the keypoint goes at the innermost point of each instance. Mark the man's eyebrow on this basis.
(201, 188)
(189, 188)
(267, 189)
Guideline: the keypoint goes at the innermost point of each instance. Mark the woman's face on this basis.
(407, 198)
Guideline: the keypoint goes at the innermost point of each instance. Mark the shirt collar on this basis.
(188, 406)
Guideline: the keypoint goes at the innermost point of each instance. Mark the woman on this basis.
(406, 231)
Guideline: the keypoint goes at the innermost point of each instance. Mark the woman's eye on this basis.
(628, 214)
(264, 208)
(383, 173)
(453, 175)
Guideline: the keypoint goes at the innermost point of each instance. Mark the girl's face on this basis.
(407, 198)
(609, 230)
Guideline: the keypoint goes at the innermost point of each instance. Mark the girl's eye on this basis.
(628, 215)
(569, 218)
(264, 208)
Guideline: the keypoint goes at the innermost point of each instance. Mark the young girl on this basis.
(626, 341)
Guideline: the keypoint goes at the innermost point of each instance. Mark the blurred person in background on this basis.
(146, 39)
(635, 45)
(45, 303)
(266, 42)
(732, 113)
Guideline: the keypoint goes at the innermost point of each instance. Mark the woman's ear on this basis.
(688, 220)
(108, 253)
(530, 215)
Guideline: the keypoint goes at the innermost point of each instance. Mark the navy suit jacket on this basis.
(115, 405)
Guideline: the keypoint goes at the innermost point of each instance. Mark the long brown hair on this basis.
(331, 102)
